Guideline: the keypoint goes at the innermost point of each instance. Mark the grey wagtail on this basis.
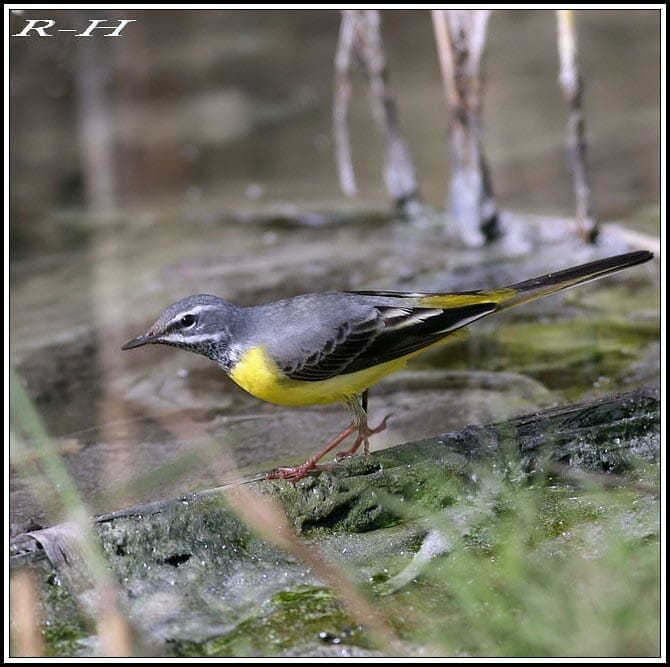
(332, 346)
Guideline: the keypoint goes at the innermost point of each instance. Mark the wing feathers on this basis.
(388, 332)
(348, 342)
(400, 323)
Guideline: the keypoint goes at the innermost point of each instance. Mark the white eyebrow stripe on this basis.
(177, 336)
(199, 308)
(196, 310)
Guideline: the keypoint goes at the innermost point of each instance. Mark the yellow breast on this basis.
(260, 376)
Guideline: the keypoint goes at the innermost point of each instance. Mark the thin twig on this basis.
(29, 433)
(572, 84)
(461, 38)
(26, 638)
(341, 101)
(360, 39)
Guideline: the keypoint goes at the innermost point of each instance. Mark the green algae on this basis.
(549, 585)
(64, 639)
(364, 494)
(292, 619)
(537, 534)
(64, 628)
(565, 354)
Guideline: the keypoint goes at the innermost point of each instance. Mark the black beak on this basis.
(144, 339)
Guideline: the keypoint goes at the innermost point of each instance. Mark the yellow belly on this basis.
(260, 376)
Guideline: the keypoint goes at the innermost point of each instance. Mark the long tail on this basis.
(422, 319)
(528, 290)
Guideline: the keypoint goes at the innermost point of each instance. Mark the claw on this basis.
(363, 438)
(293, 474)
(382, 425)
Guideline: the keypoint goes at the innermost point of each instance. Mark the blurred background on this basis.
(232, 110)
(140, 164)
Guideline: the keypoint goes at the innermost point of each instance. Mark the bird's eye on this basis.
(188, 320)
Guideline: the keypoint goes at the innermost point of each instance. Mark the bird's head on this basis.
(199, 323)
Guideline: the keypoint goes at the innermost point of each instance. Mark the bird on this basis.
(333, 346)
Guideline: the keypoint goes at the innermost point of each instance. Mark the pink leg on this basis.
(364, 432)
(359, 424)
(298, 472)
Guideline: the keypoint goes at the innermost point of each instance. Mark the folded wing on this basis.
(385, 333)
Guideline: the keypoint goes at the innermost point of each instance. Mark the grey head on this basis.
(200, 323)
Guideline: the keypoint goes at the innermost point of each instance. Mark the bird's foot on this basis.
(293, 474)
(364, 434)
(298, 472)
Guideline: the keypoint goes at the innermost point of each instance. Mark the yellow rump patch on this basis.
(458, 300)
